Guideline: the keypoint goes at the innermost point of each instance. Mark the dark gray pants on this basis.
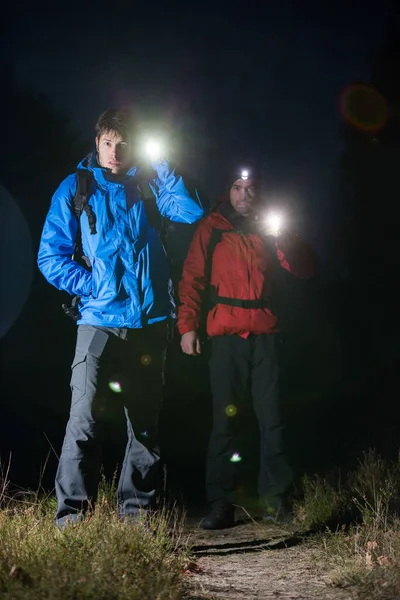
(243, 370)
(133, 368)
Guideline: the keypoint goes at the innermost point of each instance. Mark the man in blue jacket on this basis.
(125, 301)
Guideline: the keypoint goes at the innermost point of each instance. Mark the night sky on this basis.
(222, 85)
(226, 83)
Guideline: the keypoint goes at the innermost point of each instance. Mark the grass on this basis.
(356, 524)
(322, 504)
(359, 527)
(100, 557)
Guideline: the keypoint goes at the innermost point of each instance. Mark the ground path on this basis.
(255, 561)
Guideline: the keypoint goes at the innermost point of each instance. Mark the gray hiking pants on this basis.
(123, 366)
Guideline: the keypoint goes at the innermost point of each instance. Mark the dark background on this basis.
(220, 83)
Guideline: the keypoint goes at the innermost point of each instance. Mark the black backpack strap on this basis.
(81, 193)
(215, 238)
(84, 182)
(208, 303)
(212, 297)
(257, 303)
(72, 310)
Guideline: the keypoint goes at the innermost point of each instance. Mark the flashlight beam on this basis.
(153, 149)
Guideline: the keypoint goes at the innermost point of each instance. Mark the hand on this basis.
(190, 343)
(159, 162)
(271, 231)
(272, 224)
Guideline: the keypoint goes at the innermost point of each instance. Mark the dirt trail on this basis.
(254, 561)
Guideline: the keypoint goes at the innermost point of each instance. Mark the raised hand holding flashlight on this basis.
(273, 224)
(154, 149)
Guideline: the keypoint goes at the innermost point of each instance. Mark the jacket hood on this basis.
(102, 175)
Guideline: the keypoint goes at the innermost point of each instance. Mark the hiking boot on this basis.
(221, 516)
(278, 513)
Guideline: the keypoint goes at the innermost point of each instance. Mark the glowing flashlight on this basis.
(244, 174)
(273, 223)
(154, 149)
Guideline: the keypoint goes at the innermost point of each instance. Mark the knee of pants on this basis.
(227, 418)
(86, 403)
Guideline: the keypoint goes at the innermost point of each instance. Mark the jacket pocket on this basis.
(78, 376)
(95, 280)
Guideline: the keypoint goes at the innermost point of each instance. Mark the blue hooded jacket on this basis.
(129, 285)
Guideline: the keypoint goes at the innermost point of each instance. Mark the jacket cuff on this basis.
(186, 327)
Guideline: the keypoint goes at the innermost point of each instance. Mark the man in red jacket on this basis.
(231, 271)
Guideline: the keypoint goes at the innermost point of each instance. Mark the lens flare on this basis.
(145, 359)
(231, 410)
(364, 107)
(235, 458)
(16, 243)
(115, 386)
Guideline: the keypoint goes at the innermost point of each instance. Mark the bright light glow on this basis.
(273, 223)
(154, 149)
(245, 174)
(115, 386)
(231, 410)
(235, 457)
(145, 359)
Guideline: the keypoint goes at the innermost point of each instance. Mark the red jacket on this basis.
(243, 267)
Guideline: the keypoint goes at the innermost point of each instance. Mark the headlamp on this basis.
(245, 172)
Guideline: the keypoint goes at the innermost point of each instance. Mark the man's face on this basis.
(242, 195)
(113, 152)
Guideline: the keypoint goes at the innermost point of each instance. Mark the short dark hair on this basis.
(117, 120)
